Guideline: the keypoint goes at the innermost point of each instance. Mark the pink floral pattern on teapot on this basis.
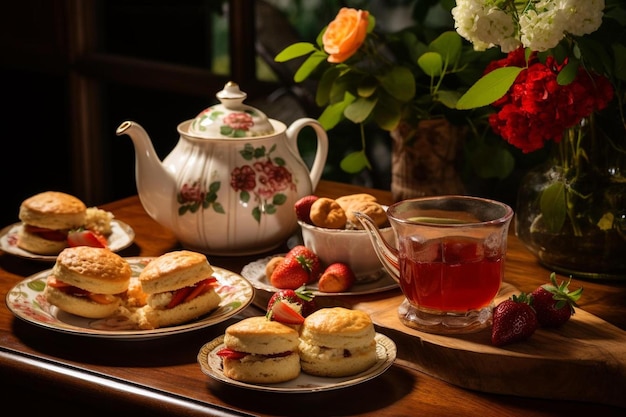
(235, 125)
(261, 181)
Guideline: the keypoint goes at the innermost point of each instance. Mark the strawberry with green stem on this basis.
(308, 259)
(514, 320)
(554, 303)
(301, 300)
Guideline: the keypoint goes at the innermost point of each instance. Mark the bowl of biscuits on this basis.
(331, 230)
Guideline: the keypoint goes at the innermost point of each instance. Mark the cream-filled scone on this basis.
(46, 219)
(88, 281)
(180, 287)
(337, 342)
(258, 350)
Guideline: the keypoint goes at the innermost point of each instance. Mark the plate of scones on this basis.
(52, 221)
(95, 292)
(261, 354)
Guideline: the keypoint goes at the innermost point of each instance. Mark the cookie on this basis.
(326, 212)
(271, 265)
(374, 210)
(347, 200)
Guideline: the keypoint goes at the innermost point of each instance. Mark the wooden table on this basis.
(43, 370)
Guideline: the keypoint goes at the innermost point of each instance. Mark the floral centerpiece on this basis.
(561, 86)
(393, 81)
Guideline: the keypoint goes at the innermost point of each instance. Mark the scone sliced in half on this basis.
(337, 342)
(258, 350)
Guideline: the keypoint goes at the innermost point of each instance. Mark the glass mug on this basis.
(449, 260)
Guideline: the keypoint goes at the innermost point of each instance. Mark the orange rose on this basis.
(345, 34)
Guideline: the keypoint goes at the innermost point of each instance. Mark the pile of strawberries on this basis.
(550, 306)
(301, 266)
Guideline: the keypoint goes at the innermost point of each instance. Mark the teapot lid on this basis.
(231, 118)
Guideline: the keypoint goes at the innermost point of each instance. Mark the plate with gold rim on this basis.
(27, 302)
(211, 365)
(121, 237)
(379, 282)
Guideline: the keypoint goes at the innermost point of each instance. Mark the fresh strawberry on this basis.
(303, 208)
(101, 298)
(284, 313)
(300, 300)
(554, 303)
(230, 353)
(290, 274)
(514, 320)
(48, 234)
(308, 259)
(185, 294)
(83, 237)
(337, 277)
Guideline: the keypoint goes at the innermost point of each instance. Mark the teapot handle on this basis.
(322, 146)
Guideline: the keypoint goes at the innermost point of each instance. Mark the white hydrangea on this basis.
(466, 14)
(582, 16)
(538, 24)
(543, 27)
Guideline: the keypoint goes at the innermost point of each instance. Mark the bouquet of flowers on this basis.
(567, 59)
(366, 76)
(561, 85)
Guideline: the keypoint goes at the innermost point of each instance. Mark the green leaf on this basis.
(387, 113)
(219, 208)
(279, 199)
(322, 95)
(553, 207)
(619, 68)
(333, 113)
(399, 83)
(37, 285)
(491, 161)
(355, 162)
(489, 88)
(431, 63)
(371, 23)
(295, 51)
(449, 46)
(447, 98)
(309, 65)
(367, 87)
(342, 87)
(569, 72)
(360, 109)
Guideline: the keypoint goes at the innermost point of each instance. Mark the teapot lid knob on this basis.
(231, 118)
(231, 96)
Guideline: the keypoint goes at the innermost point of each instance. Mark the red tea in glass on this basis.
(449, 259)
(449, 274)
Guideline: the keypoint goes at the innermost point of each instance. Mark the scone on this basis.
(337, 342)
(46, 219)
(180, 287)
(88, 282)
(258, 350)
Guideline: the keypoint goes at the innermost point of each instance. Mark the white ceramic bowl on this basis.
(352, 247)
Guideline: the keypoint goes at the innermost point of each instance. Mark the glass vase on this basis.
(571, 211)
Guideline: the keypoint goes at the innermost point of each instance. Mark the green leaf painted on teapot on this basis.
(193, 198)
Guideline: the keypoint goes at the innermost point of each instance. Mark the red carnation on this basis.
(537, 108)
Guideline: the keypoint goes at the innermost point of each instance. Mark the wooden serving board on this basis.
(584, 360)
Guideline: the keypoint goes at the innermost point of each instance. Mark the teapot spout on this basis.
(387, 254)
(155, 185)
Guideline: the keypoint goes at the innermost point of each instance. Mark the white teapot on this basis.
(229, 185)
